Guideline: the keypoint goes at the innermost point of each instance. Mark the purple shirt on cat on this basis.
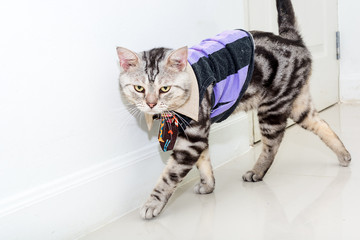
(227, 62)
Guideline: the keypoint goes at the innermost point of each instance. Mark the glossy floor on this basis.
(305, 195)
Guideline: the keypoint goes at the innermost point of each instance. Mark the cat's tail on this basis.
(287, 20)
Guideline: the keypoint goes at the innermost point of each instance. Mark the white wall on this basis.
(349, 20)
(71, 155)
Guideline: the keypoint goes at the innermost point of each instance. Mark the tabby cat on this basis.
(156, 81)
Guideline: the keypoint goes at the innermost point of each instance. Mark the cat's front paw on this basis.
(251, 176)
(151, 208)
(203, 188)
(345, 159)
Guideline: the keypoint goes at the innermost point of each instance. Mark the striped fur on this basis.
(279, 90)
(152, 59)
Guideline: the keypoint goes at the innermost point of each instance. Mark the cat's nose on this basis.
(151, 105)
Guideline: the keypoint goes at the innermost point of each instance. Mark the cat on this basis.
(157, 81)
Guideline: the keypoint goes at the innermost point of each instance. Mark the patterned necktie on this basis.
(168, 131)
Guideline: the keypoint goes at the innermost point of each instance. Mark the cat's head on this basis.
(156, 80)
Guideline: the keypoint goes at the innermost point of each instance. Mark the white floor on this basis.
(305, 195)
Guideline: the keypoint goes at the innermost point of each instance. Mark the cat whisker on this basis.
(134, 113)
(125, 122)
(183, 120)
(166, 120)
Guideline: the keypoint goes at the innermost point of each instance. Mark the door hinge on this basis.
(338, 45)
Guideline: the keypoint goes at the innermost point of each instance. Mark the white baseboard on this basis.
(76, 204)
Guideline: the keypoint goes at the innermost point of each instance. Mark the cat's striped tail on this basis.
(287, 20)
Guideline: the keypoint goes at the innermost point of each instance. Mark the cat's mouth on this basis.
(151, 110)
(158, 109)
(154, 111)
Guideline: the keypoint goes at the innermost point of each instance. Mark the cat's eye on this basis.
(139, 88)
(165, 89)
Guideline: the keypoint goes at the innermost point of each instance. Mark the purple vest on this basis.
(227, 62)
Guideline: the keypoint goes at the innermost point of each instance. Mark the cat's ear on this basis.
(128, 59)
(177, 60)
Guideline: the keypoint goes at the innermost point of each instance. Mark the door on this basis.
(318, 23)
